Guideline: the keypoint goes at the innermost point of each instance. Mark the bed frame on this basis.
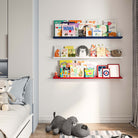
(26, 128)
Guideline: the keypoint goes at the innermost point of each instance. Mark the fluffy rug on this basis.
(98, 134)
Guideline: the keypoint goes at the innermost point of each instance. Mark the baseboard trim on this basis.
(113, 119)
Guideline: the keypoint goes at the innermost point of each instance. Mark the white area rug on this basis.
(98, 134)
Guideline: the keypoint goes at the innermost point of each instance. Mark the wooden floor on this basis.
(124, 128)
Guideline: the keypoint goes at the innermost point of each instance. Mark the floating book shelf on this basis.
(88, 37)
(68, 58)
(88, 78)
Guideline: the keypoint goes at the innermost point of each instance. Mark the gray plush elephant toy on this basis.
(67, 126)
(60, 124)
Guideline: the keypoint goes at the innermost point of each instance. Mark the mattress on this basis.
(12, 119)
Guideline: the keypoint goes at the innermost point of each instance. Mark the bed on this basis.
(18, 121)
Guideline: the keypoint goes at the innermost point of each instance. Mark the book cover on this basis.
(76, 71)
(93, 51)
(76, 28)
(65, 62)
(104, 29)
(58, 30)
(64, 52)
(58, 27)
(57, 51)
(76, 21)
(96, 31)
(89, 72)
(68, 30)
(111, 25)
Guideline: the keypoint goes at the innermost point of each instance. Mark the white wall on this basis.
(3, 29)
(89, 100)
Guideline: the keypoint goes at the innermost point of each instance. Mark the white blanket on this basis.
(12, 119)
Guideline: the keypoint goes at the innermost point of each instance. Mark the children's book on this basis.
(107, 52)
(89, 72)
(57, 51)
(65, 62)
(64, 52)
(68, 30)
(89, 29)
(76, 71)
(76, 21)
(58, 30)
(76, 28)
(96, 31)
(100, 50)
(65, 71)
(111, 25)
(65, 68)
(82, 29)
(93, 51)
(104, 29)
(58, 27)
(71, 51)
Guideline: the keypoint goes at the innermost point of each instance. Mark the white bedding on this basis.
(12, 119)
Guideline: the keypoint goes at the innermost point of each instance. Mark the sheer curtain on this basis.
(135, 64)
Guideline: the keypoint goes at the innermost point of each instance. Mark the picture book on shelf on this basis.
(76, 71)
(65, 62)
(64, 52)
(71, 51)
(58, 27)
(111, 25)
(93, 51)
(57, 51)
(68, 30)
(89, 72)
(58, 30)
(96, 31)
(76, 28)
(65, 71)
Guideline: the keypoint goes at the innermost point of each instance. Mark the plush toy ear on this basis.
(10, 82)
(66, 128)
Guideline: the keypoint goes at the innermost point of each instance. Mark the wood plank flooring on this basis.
(124, 128)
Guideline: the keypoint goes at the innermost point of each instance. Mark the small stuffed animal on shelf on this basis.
(4, 95)
(67, 126)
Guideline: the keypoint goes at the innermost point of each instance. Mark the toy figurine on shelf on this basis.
(56, 75)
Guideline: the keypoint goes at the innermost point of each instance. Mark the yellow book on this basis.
(64, 62)
(69, 47)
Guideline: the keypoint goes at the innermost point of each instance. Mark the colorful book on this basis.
(64, 52)
(89, 72)
(65, 62)
(111, 25)
(89, 29)
(68, 30)
(76, 28)
(93, 51)
(65, 68)
(58, 27)
(104, 29)
(96, 31)
(82, 29)
(76, 71)
(71, 51)
(57, 51)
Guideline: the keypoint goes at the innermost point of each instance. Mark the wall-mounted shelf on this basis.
(88, 78)
(92, 37)
(68, 58)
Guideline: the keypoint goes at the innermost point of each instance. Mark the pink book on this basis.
(68, 30)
